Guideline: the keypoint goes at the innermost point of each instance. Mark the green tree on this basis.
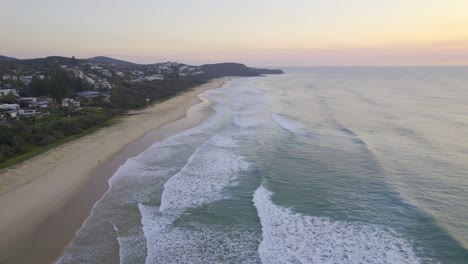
(58, 88)
(38, 87)
(10, 98)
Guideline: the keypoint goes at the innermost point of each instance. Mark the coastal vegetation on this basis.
(27, 134)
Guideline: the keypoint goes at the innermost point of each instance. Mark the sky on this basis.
(255, 32)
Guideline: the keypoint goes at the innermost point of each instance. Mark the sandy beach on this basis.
(39, 195)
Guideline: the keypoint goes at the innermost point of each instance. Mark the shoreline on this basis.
(42, 215)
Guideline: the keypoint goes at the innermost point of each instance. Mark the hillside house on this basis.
(9, 107)
(5, 92)
(66, 102)
(26, 79)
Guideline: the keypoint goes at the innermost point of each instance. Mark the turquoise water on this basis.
(319, 165)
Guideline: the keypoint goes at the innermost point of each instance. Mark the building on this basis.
(70, 102)
(42, 102)
(12, 114)
(106, 73)
(89, 94)
(27, 112)
(26, 79)
(6, 92)
(10, 107)
(157, 77)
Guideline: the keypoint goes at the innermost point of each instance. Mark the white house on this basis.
(106, 73)
(66, 102)
(9, 107)
(27, 112)
(155, 77)
(88, 94)
(13, 114)
(26, 79)
(5, 92)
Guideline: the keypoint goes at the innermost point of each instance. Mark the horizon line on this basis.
(286, 66)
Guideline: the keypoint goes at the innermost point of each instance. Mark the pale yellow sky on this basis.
(257, 32)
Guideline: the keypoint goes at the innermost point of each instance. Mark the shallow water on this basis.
(319, 165)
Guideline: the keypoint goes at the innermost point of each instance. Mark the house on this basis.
(6, 92)
(42, 102)
(66, 102)
(13, 114)
(9, 107)
(88, 94)
(31, 101)
(158, 77)
(106, 73)
(27, 112)
(105, 85)
(26, 79)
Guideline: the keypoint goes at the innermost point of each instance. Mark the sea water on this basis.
(319, 165)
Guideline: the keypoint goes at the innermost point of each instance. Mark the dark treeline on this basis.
(134, 95)
(26, 133)
(58, 85)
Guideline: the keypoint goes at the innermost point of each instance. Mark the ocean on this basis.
(319, 165)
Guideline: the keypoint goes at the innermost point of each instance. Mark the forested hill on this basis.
(107, 60)
(234, 69)
(5, 58)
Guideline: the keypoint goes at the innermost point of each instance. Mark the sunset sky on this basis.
(256, 32)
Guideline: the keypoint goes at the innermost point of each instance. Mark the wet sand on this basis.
(45, 200)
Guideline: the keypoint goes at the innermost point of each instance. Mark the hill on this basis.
(234, 69)
(5, 58)
(107, 60)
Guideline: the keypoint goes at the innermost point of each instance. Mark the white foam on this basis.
(132, 248)
(196, 243)
(138, 168)
(221, 116)
(288, 124)
(212, 167)
(255, 108)
(289, 237)
(247, 121)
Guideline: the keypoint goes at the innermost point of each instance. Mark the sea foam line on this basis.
(212, 167)
(288, 124)
(289, 237)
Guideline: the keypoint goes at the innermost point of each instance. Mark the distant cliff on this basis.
(234, 69)
(107, 60)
